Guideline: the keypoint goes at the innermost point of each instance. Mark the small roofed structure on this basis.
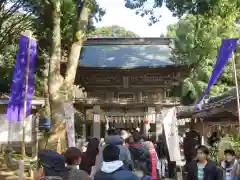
(220, 111)
(215, 107)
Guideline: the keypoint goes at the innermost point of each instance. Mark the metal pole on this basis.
(237, 90)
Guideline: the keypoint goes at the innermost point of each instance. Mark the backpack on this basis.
(136, 153)
(141, 159)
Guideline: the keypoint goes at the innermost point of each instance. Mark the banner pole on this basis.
(237, 89)
(29, 35)
(21, 169)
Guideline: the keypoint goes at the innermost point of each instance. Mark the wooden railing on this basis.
(128, 100)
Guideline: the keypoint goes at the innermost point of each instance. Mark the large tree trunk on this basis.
(45, 112)
(79, 36)
(55, 80)
(61, 89)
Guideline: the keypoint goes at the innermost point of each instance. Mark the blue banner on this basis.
(15, 111)
(225, 52)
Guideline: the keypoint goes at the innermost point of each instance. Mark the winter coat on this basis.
(76, 174)
(190, 145)
(162, 149)
(125, 155)
(114, 171)
(211, 171)
(232, 170)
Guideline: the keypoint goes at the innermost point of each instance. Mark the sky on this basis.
(117, 14)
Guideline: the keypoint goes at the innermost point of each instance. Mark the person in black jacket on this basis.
(162, 152)
(213, 139)
(89, 157)
(203, 168)
(190, 144)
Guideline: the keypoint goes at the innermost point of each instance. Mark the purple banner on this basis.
(15, 111)
(225, 52)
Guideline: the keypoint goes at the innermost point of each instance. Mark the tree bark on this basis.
(55, 80)
(61, 89)
(44, 112)
(79, 36)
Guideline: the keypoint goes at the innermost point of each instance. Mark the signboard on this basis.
(171, 133)
(69, 117)
(96, 118)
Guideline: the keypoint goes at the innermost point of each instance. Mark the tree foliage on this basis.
(179, 8)
(12, 23)
(198, 36)
(200, 48)
(112, 31)
(43, 18)
(18, 16)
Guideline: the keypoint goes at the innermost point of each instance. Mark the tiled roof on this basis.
(126, 56)
(189, 111)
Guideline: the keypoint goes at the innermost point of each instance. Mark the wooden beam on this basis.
(129, 41)
(182, 69)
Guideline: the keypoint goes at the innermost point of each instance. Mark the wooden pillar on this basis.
(96, 122)
(146, 125)
(159, 123)
(83, 123)
(201, 124)
(150, 117)
(107, 124)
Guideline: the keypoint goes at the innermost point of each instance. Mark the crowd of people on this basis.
(199, 166)
(125, 156)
